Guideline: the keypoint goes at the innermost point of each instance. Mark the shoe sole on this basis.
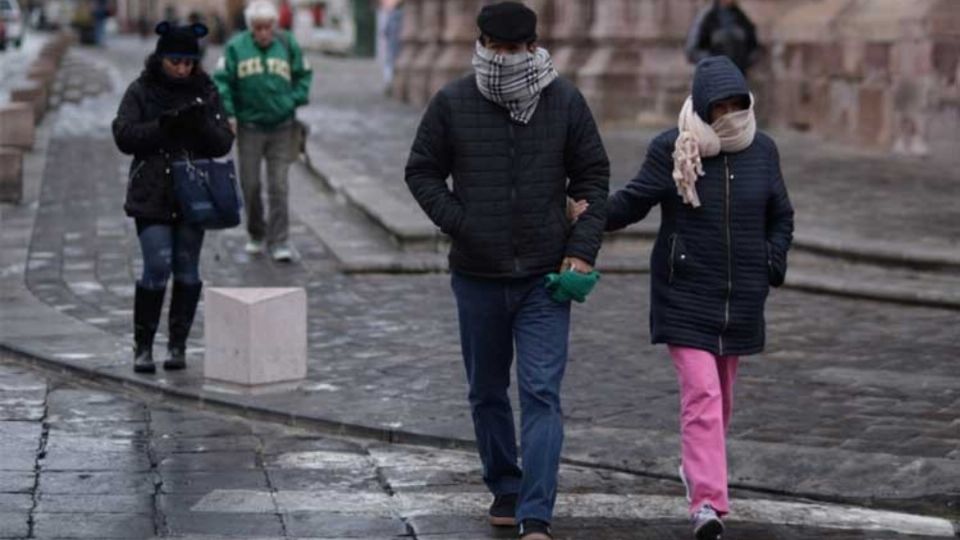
(174, 367)
(151, 369)
(503, 521)
(711, 530)
(536, 536)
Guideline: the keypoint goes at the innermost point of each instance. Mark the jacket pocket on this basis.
(679, 258)
(138, 188)
(776, 265)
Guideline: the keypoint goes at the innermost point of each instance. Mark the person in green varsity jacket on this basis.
(263, 78)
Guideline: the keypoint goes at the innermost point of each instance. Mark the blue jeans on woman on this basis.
(496, 316)
(169, 249)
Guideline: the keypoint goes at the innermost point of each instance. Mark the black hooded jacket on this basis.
(723, 31)
(712, 266)
(154, 142)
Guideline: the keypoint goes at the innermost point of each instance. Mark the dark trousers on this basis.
(169, 248)
(277, 147)
(496, 316)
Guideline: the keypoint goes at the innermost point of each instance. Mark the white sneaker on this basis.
(254, 247)
(707, 524)
(283, 253)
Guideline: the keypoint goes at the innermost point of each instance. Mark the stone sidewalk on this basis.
(868, 225)
(854, 400)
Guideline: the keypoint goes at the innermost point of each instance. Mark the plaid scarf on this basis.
(514, 81)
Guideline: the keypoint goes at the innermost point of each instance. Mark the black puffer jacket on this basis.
(506, 212)
(712, 266)
(137, 130)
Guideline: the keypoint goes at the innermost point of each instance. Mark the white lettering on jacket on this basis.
(254, 66)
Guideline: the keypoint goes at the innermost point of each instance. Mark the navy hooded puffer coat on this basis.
(712, 266)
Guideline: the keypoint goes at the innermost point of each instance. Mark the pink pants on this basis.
(706, 403)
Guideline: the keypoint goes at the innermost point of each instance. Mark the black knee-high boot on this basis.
(147, 305)
(183, 306)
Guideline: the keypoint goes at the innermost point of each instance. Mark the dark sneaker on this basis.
(503, 510)
(534, 529)
(707, 524)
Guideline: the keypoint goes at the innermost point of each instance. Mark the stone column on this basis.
(458, 38)
(570, 36)
(410, 39)
(430, 29)
(610, 77)
(663, 70)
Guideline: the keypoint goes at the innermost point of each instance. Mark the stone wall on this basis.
(878, 73)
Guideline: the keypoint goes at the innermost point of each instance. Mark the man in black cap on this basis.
(518, 141)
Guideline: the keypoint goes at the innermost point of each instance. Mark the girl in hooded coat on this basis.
(171, 111)
(726, 227)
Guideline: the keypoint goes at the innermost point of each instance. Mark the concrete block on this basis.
(17, 126)
(32, 93)
(43, 71)
(11, 175)
(255, 336)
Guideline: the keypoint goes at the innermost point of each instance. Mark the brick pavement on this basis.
(853, 400)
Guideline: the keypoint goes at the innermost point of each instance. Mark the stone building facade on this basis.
(879, 73)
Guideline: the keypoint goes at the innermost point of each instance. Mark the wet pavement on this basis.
(84, 461)
(853, 400)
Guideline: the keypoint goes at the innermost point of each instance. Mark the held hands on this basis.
(577, 265)
(575, 209)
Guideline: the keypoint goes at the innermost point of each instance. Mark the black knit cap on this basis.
(508, 22)
(179, 41)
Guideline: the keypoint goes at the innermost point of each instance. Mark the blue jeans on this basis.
(495, 316)
(169, 248)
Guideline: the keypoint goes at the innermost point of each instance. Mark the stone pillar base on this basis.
(17, 126)
(11, 175)
(34, 94)
(255, 336)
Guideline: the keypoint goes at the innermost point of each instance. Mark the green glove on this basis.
(570, 285)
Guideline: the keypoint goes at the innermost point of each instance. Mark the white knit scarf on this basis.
(513, 81)
(732, 132)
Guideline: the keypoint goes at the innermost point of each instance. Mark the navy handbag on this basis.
(207, 192)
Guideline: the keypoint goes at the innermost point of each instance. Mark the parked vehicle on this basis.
(12, 22)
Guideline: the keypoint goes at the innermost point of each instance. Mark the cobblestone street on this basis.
(854, 401)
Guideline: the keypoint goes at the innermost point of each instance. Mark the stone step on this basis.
(394, 210)
(352, 222)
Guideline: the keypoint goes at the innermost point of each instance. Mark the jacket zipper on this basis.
(136, 169)
(726, 309)
(513, 197)
(673, 250)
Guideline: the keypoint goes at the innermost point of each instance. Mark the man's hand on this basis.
(575, 264)
(233, 125)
